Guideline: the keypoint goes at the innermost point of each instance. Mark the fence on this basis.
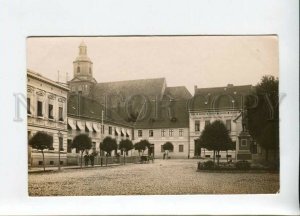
(102, 160)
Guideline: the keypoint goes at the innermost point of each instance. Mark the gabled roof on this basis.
(227, 97)
(178, 92)
(226, 89)
(148, 87)
(88, 108)
(173, 116)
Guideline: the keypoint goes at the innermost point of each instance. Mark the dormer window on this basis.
(78, 69)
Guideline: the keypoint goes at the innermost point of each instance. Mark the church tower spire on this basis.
(83, 78)
(83, 66)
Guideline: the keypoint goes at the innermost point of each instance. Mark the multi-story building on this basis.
(47, 111)
(225, 104)
(148, 107)
(135, 110)
(86, 115)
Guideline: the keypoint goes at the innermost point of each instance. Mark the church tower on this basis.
(83, 78)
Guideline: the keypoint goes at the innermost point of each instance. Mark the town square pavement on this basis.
(174, 176)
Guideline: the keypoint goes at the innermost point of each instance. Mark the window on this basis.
(197, 125)
(180, 148)
(180, 132)
(228, 125)
(140, 133)
(90, 70)
(60, 143)
(171, 132)
(150, 133)
(110, 130)
(102, 129)
(50, 111)
(39, 108)
(28, 135)
(28, 106)
(60, 114)
(163, 132)
(69, 146)
(162, 148)
(78, 69)
(94, 146)
(207, 122)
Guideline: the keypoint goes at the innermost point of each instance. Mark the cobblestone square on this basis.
(163, 177)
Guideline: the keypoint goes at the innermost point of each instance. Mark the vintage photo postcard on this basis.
(153, 115)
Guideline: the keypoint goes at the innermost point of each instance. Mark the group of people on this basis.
(87, 158)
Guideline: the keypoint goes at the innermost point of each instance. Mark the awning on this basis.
(71, 124)
(89, 126)
(123, 132)
(95, 127)
(127, 133)
(118, 131)
(80, 126)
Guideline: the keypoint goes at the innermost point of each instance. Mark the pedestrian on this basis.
(164, 156)
(86, 160)
(92, 158)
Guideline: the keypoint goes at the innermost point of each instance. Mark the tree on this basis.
(41, 141)
(263, 119)
(82, 142)
(108, 145)
(168, 146)
(216, 137)
(125, 145)
(141, 146)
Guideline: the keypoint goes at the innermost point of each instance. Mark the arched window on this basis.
(78, 69)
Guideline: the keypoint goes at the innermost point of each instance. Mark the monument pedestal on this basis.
(244, 147)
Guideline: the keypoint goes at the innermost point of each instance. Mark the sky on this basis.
(205, 61)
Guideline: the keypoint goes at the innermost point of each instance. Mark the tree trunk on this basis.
(214, 156)
(218, 158)
(81, 159)
(227, 155)
(43, 160)
(124, 157)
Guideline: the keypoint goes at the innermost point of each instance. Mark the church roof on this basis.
(178, 92)
(175, 117)
(167, 106)
(149, 87)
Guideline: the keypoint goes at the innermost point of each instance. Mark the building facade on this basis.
(135, 110)
(226, 104)
(47, 112)
(86, 116)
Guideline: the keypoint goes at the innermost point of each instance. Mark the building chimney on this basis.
(195, 88)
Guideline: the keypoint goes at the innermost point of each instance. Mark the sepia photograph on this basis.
(153, 115)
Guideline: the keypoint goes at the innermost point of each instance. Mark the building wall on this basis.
(96, 136)
(158, 140)
(236, 127)
(48, 92)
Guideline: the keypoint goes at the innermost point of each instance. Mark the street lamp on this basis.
(60, 135)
